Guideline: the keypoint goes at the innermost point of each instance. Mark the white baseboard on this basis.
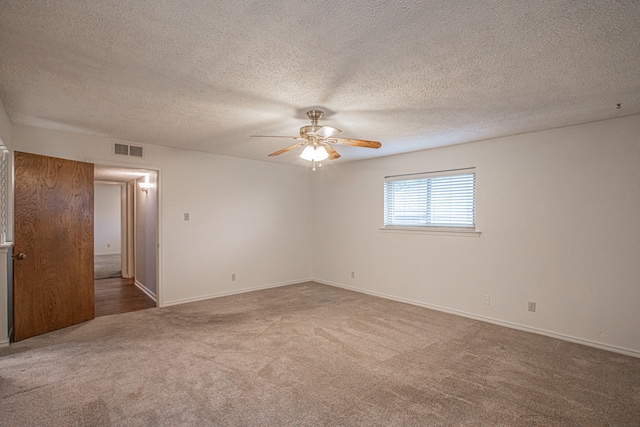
(4, 343)
(106, 253)
(235, 292)
(146, 291)
(602, 346)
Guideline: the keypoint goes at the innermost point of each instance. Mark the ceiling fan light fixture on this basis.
(314, 153)
(318, 141)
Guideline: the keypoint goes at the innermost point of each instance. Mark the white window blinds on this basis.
(442, 199)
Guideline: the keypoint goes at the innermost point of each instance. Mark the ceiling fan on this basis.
(318, 141)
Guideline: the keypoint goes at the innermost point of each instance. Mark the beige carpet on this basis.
(107, 266)
(308, 355)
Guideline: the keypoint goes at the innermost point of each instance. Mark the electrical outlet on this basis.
(487, 300)
(108, 245)
(233, 277)
(353, 274)
(186, 216)
(532, 306)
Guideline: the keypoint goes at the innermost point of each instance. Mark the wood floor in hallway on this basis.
(114, 296)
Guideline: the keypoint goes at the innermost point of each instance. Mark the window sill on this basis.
(444, 231)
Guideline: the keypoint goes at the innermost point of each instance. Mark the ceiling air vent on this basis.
(135, 151)
(120, 149)
(127, 150)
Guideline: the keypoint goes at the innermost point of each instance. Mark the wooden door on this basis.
(53, 244)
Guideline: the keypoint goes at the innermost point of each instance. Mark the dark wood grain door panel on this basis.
(53, 285)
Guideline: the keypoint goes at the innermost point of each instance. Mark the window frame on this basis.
(464, 230)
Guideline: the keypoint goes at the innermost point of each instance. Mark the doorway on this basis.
(108, 230)
(53, 271)
(125, 237)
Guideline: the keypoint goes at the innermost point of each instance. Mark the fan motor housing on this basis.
(309, 130)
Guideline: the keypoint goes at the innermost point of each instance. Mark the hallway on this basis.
(118, 295)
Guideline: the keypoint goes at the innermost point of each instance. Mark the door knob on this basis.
(21, 255)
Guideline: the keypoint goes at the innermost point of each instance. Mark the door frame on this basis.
(123, 224)
(128, 230)
(158, 189)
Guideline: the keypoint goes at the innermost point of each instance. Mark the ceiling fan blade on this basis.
(356, 142)
(274, 136)
(333, 154)
(326, 132)
(284, 150)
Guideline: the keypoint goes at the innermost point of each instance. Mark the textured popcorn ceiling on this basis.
(205, 75)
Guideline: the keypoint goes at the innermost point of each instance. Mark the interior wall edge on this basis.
(511, 325)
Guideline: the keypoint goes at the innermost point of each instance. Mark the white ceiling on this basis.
(205, 75)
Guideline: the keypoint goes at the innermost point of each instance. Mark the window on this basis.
(437, 201)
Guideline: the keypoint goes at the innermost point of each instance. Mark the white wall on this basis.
(557, 209)
(247, 217)
(107, 219)
(559, 214)
(145, 234)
